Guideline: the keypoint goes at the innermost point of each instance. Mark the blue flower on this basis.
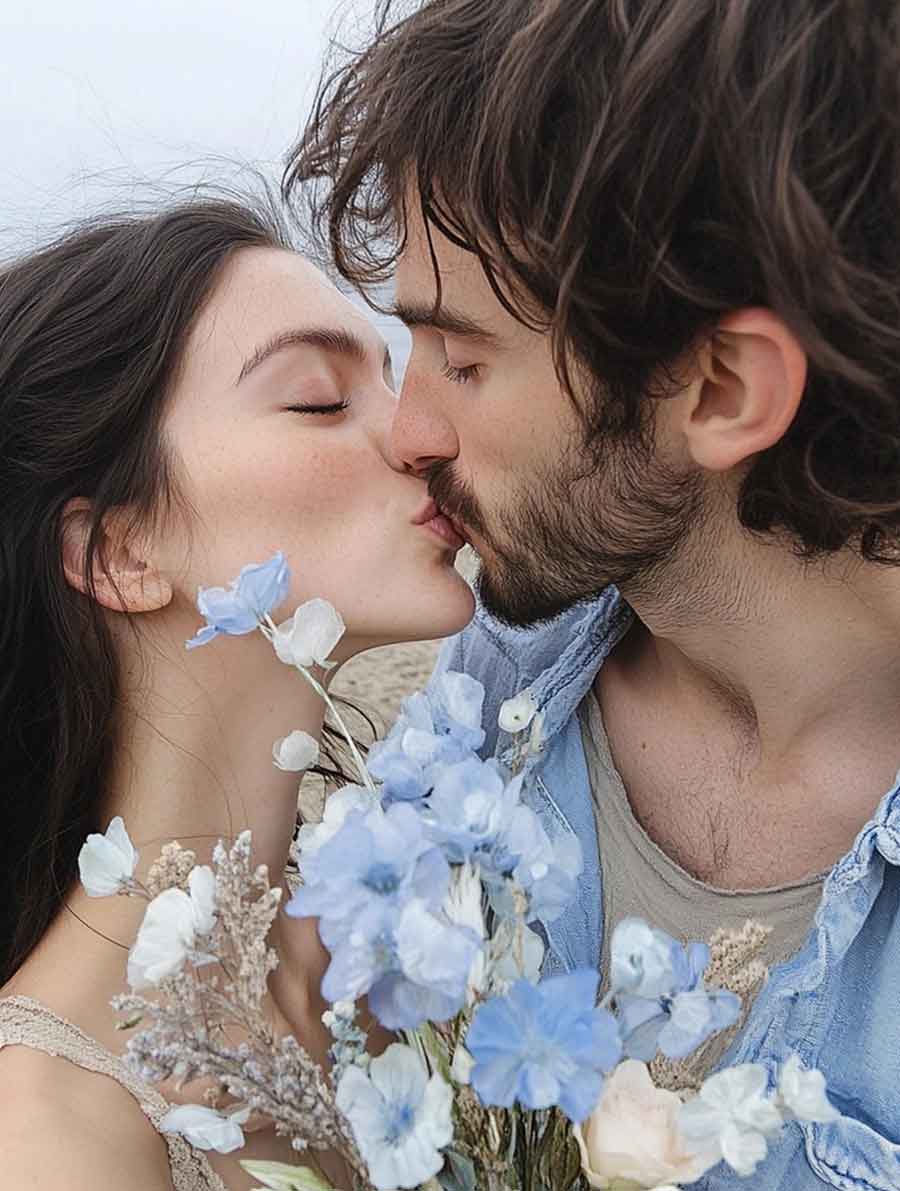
(546, 869)
(470, 810)
(475, 816)
(643, 961)
(441, 726)
(376, 886)
(361, 878)
(415, 969)
(457, 701)
(247, 600)
(544, 1045)
(660, 998)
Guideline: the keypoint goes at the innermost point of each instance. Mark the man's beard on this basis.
(611, 513)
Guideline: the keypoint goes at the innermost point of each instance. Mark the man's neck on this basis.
(776, 704)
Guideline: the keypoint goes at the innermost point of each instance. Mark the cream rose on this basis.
(631, 1140)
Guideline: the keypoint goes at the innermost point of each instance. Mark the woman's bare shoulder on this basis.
(65, 1127)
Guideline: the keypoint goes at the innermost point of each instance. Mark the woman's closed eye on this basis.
(333, 407)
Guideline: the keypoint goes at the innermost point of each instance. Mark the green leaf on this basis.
(434, 1049)
(458, 1173)
(278, 1176)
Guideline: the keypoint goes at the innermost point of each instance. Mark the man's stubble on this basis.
(611, 512)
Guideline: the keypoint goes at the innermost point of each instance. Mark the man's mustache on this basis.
(453, 497)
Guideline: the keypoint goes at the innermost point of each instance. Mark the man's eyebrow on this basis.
(330, 339)
(445, 319)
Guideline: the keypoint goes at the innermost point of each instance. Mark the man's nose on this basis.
(421, 434)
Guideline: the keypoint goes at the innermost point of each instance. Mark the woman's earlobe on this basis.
(118, 578)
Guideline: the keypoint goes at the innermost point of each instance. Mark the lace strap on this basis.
(26, 1022)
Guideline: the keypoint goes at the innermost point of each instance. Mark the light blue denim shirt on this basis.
(836, 1002)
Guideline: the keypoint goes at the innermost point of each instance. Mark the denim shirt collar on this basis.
(558, 690)
(848, 895)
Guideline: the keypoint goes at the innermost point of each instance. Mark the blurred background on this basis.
(104, 101)
(107, 105)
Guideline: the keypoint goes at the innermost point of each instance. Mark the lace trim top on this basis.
(26, 1022)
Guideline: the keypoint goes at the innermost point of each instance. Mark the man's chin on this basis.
(519, 600)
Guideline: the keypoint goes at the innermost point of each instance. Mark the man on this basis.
(649, 251)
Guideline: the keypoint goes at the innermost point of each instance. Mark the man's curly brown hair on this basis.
(628, 172)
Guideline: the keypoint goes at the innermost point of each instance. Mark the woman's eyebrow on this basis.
(330, 339)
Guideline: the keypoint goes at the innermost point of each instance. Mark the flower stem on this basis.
(329, 703)
(268, 629)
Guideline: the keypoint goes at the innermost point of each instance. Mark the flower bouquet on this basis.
(432, 881)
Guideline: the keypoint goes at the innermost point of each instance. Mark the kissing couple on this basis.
(649, 254)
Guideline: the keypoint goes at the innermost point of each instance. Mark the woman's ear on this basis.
(120, 578)
(753, 373)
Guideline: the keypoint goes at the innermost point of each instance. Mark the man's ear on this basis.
(121, 579)
(753, 372)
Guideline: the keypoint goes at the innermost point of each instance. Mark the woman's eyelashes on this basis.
(333, 407)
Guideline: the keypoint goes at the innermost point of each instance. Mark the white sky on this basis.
(101, 99)
(106, 101)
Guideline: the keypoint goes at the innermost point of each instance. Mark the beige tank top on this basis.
(640, 880)
(25, 1022)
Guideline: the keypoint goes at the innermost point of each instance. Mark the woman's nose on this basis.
(421, 434)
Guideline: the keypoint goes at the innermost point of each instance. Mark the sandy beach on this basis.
(380, 679)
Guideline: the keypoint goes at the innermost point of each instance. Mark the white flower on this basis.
(172, 923)
(640, 960)
(461, 697)
(338, 806)
(309, 636)
(802, 1092)
(295, 752)
(401, 1119)
(517, 713)
(732, 1114)
(431, 951)
(631, 1139)
(106, 863)
(205, 1128)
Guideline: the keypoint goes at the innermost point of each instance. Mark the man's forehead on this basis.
(468, 305)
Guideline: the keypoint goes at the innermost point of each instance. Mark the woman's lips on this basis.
(431, 517)
(443, 527)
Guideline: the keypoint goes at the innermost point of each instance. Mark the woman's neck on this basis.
(194, 764)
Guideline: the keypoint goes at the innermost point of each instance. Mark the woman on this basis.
(179, 396)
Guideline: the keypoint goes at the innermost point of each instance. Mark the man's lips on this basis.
(431, 517)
